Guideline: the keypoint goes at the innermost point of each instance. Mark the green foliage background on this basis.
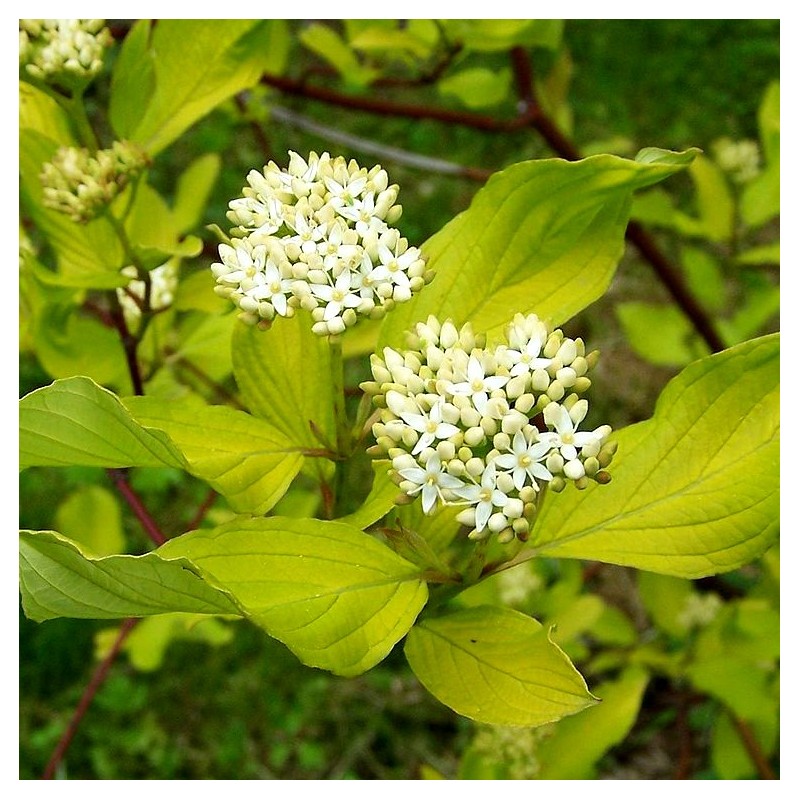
(223, 701)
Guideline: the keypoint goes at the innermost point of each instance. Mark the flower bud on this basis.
(466, 517)
(555, 391)
(475, 467)
(574, 469)
(540, 380)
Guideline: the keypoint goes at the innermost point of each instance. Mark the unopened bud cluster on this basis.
(81, 184)
(67, 52)
(487, 427)
(317, 236)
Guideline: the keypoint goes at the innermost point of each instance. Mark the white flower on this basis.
(304, 171)
(485, 496)
(307, 236)
(272, 287)
(523, 459)
(527, 358)
(369, 277)
(240, 262)
(343, 195)
(364, 215)
(337, 297)
(477, 386)
(430, 481)
(334, 250)
(567, 438)
(397, 265)
(430, 426)
(256, 216)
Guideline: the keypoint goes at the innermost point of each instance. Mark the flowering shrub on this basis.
(488, 457)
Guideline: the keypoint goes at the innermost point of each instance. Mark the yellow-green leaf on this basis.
(284, 375)
(339, 599)
(75, 421)
(497, 666)
(541, 236)
(695, 489)
(58, 579)
(244, 458)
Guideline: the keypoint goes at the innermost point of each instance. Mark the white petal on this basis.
(482, 513)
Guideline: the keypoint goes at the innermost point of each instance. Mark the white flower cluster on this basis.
(68, 52)
(317, 236)
(163, 285)
(81, 184)
(487, 427)
(742, 159)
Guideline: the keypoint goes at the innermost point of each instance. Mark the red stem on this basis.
(86, 699)
(202, 510)
(136, 505)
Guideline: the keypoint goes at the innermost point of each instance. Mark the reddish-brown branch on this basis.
(531, 115)
(136, 505)
(674, 283)
(86, 699)
(390, 108)
(765, 771)
(202, 510)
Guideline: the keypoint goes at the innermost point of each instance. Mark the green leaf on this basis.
(655, 208)
(695, 488)
(284, 375)
(762, 300)
(198, 64)
(382, 40)
(576, 619)
(769, 123)
(203, 346)
(193, 191)
(657, 155)
(487, 35)
(196, 293)
(336, 597)
(541, 236)
(739, 683)
(41, 113)
(147, 643)
(705, 278)
(665, 599)
(575, 745)
(153, 232)
(68, 343)
(714, 199)
(90, 516)
(497, 666)
(730, 759)
(477, 87)
(242, 457)
(57, 579)
(761, 198)
(659, 333)
(762, 254)
(132, 80)
(75, 421)
(326, 43)
(379, 501)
